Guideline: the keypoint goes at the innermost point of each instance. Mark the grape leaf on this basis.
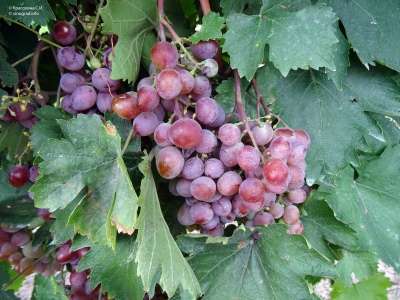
(390, 127)
(372, 29)
(30, 12)
(373, 288)
(370, 204)
(89, 155)
(5, 278)
(130, 20)
(114, 270)
(13, 139)
(8, 74)
(341, 60)
(358, 264)
(238, 6)
(211, 27)
(271, 267)
(47, 288)
(321, 228)
(157, 255)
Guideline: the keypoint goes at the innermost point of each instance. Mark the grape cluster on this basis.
(16, 247)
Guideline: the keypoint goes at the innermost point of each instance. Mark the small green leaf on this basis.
(13, 139)
(47, 288)
(358, 264)
(8, 74)
(211, 27)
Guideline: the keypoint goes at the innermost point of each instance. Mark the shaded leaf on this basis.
(211, 27)
(47, 288)
(8, 74)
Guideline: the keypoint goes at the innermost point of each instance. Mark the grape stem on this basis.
(96, 21)
(128, 140)
(35, 66)
(161, 32)
(241, 112)
(205, 6)
(260, 98)
(26, 57)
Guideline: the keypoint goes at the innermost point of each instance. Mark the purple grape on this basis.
(169, 162)
(145, 123)
(263, 218)
(70, 81)
(187, 80)
(214, 168)
(102, 81)
(148, 98)
(201, 213)
(183, 187)
(229, 134)
(263, 134)
(33, 173)
(228, 184)
(222, 207)
(83, 98)
(164, 55)
(104, 102)
(220, 118)
(184, 216)
(66, 104)
(146, 81)
(193, 168)
(206, 110)
(160, 112)
(201, 88)
(203, 188)
(207, 143)
(168, 84)
(249, 158)
(205, 49)
(276, 210)
(229, 154)
(161, 134)
(211, 224)
(70, 59)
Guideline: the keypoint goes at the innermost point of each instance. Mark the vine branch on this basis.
(205, 6)
(161, 32)
(96, 21)
(260, 98)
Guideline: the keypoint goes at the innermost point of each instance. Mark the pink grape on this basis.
(297, 196)
(208, 142)
(296, 228)
(248, 158)
(164, 55)
(291, 214)
(302, 138)
(220, 118)
(269, 199)
(263, 218)
(161, 134)
(297, 175)
(277, 210)
(83, 98)
(70, 59)
(70, 81)
(64, 33)
(239, 207)
(279, 148)
(214, 168)
(286, 133)
(148, 98)
(229, 154)
(20, 238)
(263, 134)
(185, 133)
(205, 49)
(168, 84)
(252, 190)
(203, 188)
(146, 81)
(145, 123)
(169, 162)
(229, 134)
(201, 213)
(222, 207)
(228, 184)
(102, 81)
(187, 80)
(104, 102)
(276, 172)
(201, 88)
(193, 168)
(206, 110)
(183, 187)
(297, 155)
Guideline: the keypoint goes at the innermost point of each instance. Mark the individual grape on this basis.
(201, 88)
(297, 196)
(7, 249)
(201, 213)
(229, 154)
(248, 158)
(203, 188)
(83, 98)
(66, 104)
(187, 80)
(70, 81)
(262, 134)
(217, 231)
(239, 208)
(148, 98)
(146, 81)
(222, 207)
(276, 172)
(18, 175)
(161, 134)
(279, 148)
(169, 162)
(206, 110)
(269, 199)
(228, 184)
(64, 33)
(208, 142)
(229, 218)
(193, 168)
(183, 187)
(160, 112)
(104, 102)
(296, 228)
(297, 175)
(145, 123)
(185, 133)
(33, 173)
(77, 280)
(229, 134)
(220, 118)
(164, 55)
(276, 210)
(168, 84)
(211, 224)
(252, 190)
(263, 218)
(297, 155)
(205, 49)
(126, 105)
(70, 59)
(302, 138)
(102, 81)
(21, 112)
(209, 67)
(172, 187)
(291, 214)
(32, 251)
(214, 168)
(20, 238)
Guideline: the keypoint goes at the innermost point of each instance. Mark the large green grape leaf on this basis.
(238, 6)
(341, 60)
(157, 255)
(47, 288)
(268, 265)
(370, 204)
(30, 12)
(211, 27)
(131, 21)
(8, 74)
(358, 264)
(13, 139)
(5, 279)
(88, 160)
(115, 269)
(372, 29)
(390, 127)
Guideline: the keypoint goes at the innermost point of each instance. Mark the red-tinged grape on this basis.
(296, 228)
(248, 158)
(254, 206)
(229, 134)
(228, 184)
(164, 55)
(32, 251)
(203, 188)
(70, 81)
(7, 249)
(229, 154)
(291, 214)
(145, 123)
(20, 238)
(169, 162)
(277, 189)
(209, 67)
(205, 49)
(262, 134)
(297, 175)
(206, 110)
(33, 173)
(83, 98)
(214, 168)
(146, 81)
(252, 190)
(66, 104)
(4, 236)
(269, 199)
(64, 254)
(160, 112)
(193, 168)
(126, 105)
(285, 132)
(222, 207)
(239, 208)
(201, 88)
(297, 196)
(102, 81)
(161, 134)
(217, 231)
(148, 98)
(185, 133)
(18, 175)
(297, 155)
(169, 105)
(187, 80)
(263, 218)
(104, 102)
(70, 59)
(183, 187)
(211, 224)
(168, 84)
(208, 142)
(229, 218)
(279, 148)
(15, 258)
(276, 172)
(77, 280)
(64, 33)
(201, 213)
(21, 112)
(276, 210)
(302, 138)
(220, 118)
